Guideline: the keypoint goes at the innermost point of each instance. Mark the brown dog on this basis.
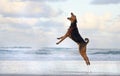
(73, 33)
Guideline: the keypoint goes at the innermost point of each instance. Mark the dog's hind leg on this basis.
(82, 51)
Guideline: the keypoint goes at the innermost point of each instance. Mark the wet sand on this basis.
(59, 68)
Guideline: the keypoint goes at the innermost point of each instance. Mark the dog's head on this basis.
(72, 18)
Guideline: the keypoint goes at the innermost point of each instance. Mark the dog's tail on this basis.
(86, 40)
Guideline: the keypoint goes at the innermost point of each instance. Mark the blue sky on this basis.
(37, 23)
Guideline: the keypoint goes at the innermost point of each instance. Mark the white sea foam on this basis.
(22, 53)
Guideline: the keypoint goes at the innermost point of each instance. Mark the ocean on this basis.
(56, 54)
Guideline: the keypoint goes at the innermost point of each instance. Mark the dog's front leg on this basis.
(62, 38)
(65, 36)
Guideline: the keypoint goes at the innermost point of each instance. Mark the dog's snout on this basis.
(68, 18)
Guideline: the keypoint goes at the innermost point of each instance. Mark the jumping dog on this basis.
(73, 34)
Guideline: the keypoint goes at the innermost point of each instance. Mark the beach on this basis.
(24, 61)
(65, 68)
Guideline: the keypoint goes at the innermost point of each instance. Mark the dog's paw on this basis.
(57, 43)
(58, 38)
(87, 62)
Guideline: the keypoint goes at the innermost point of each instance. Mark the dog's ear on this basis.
(72, 14)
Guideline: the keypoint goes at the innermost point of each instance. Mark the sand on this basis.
(64, 68)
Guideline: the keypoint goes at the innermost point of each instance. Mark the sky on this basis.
(37, 23)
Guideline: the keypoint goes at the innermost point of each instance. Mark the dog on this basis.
(73, 34)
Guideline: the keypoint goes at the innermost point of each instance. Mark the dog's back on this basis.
(75, 35)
